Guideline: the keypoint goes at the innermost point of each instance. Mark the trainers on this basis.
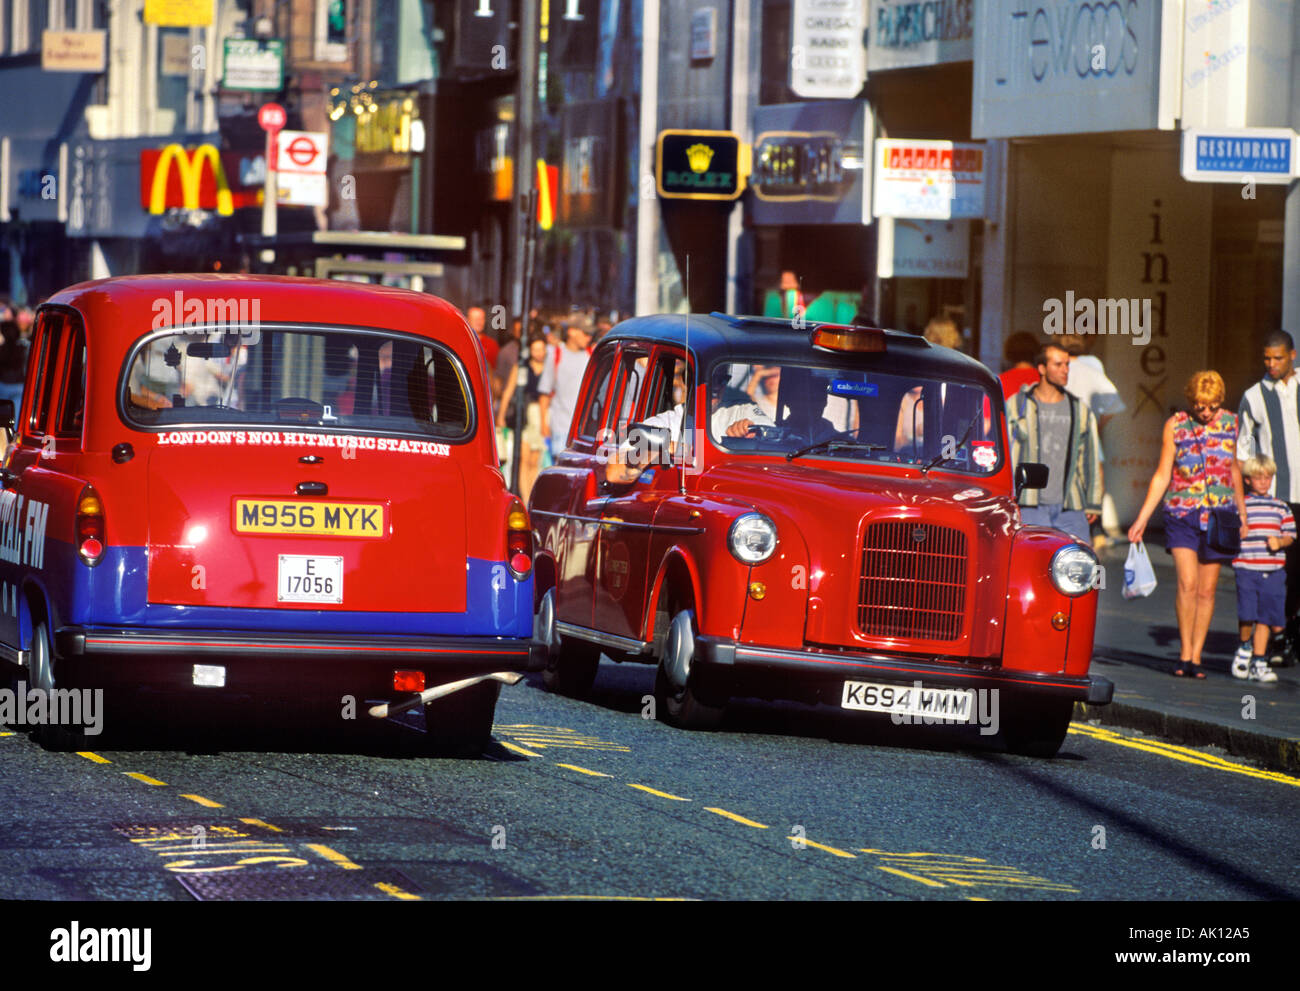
(1241, 661)
(1260, 671)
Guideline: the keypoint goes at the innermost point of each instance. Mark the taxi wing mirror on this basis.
(650, 444)
(1030, 475)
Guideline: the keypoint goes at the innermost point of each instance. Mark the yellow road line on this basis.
(396, 892)
(822, 846)
(1184, 754)
(8, 734)
(661, 794)
(911, 877)
(518, 750)
(583, 770)
(95, 757)
(146, 779)
(205, 802)
(735, 818)
(972, 898)
(264, 825)
(333, 856)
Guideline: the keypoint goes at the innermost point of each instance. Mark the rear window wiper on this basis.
(833, 445)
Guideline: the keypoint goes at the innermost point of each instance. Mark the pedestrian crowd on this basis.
(1227, 485)
(559, 345)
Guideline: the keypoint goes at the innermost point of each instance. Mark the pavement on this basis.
(1137, 649)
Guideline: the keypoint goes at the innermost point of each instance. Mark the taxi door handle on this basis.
(7, 477)
(313, 488)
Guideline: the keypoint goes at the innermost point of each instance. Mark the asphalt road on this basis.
(589, 799)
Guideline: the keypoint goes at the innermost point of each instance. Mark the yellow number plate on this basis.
(310, 519)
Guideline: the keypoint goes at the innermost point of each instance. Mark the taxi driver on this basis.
(737, 419)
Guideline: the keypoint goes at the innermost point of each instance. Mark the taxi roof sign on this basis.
(701, 165)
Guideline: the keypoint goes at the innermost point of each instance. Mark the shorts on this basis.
(1261, 597)
(1184, 531)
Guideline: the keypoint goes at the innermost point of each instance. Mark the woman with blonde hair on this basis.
(1198, 472)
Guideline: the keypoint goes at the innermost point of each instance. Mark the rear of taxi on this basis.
(290, 488)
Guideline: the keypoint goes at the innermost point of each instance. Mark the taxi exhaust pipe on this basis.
(440, 691)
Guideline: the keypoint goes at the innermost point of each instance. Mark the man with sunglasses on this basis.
(1268, 423)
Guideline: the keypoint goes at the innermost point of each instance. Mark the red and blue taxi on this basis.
(772, 509)
(243, 485)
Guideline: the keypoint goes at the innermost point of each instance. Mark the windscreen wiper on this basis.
(960, 444)
(833, 444)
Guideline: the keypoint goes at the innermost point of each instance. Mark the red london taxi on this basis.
(816, 513)
(243, 485)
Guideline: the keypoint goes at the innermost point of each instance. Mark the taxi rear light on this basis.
(519, 541)
(408, 681)
(836, 337)
(90, 539)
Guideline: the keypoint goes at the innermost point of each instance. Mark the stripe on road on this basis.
(661, 794)
(735, 818)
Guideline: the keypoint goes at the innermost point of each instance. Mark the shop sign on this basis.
(828, 54)
(938, 180)
(72, 51)
(812, 163)
(907, 33)
(1257, 154)
(253, 64)
(699, 165)
(923, 249)
(178, 13)
(1236, 69)
(1066, 67)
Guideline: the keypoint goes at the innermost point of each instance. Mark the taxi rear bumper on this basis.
(167, 658)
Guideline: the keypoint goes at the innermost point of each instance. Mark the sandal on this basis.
(1195, 671)
(1183, 669)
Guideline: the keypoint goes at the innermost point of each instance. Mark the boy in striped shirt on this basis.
(1261, 580)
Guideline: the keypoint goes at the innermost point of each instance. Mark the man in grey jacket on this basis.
(1051, 426)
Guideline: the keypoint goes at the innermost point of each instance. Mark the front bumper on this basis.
(165, 659)
(725, 668)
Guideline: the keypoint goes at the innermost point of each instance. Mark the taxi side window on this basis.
(50, 328)
(593, 415)
(633, 365)
(73, 402)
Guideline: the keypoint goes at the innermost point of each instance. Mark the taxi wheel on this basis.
(461, 723)
(682, 707)
(1036, 728)
(41, 671)
(572, 669)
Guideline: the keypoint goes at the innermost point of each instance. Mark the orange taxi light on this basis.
(836, 337)
(408, 681)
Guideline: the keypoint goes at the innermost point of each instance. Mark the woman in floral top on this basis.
(1198, 470)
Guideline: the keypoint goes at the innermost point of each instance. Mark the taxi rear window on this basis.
(350, 379)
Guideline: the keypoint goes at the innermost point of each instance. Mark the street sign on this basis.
(1239, 154)
(700, 165)
(828, 55)
(271, 117)
(253, 64)
(300, 161)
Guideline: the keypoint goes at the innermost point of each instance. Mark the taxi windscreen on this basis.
(317, 377)
(808, 411)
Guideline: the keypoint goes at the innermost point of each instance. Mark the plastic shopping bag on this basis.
(1139, 576)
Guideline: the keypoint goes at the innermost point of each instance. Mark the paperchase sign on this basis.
(1066, 67)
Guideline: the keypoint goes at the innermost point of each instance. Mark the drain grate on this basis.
(296, 885)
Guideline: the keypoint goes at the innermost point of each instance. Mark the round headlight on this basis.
(752, 538)
(1074, 569)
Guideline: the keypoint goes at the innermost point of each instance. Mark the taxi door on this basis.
(37, 497)
(628, 515)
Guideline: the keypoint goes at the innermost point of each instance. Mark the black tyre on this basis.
(41, 671)
(680, 704)
(461, 723)
(572, 669)
(1036, 727)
